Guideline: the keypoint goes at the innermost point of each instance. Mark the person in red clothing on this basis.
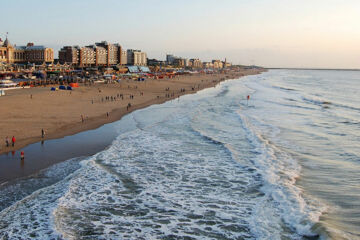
(13, 140)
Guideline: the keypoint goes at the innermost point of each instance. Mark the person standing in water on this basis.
(7, 141)
(42, 133)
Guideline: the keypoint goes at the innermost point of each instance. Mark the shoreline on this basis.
(40, 158)
(115, 114)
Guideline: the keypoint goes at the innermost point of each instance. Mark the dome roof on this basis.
(7, 43)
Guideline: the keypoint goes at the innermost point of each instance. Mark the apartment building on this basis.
(136, 57)
(70, 55)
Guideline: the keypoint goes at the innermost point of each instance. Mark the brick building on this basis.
(70, 55)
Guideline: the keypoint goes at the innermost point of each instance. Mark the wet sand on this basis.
(59, 114)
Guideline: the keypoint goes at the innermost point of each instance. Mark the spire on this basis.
(7, 42)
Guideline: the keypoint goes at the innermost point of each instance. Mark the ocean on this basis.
(211, 165)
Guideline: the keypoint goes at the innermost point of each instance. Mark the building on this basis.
(178, 62)
(208, 65)
(112, 51)
(136, 57)
(69, 55)
(170, 59)
(217, 64)
(25, 54)
(6, 51)
(195, 63)
(122, 57)
(87, 57)
(155, 62)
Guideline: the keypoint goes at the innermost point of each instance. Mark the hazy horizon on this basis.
(270, 33)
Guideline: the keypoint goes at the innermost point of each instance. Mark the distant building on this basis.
(195, 63)
(155, 62)
(136, 57)
(176, 61)
(123, 57)
(170, 59)
(87, 57)
(179, 62)
(217, 64)
(70, 55)
(101, 55)
(112, 51)
(25, 54)
(208, 65)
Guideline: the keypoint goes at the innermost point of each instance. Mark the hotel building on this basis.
(25, 54)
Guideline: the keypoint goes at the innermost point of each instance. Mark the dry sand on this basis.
(59, 112)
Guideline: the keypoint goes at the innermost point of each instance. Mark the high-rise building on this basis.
(101, 57)
(170, 59)
(70, 55)
(122, 57)
(195, 63)
(112, 51)
(136, 57)
(87, 57)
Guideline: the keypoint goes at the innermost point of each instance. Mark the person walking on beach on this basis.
(42, 133)
(7, 141)
(13, 140)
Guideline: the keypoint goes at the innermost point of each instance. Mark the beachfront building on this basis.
(25, 54)
(101, 55)
(208, 65)
(170, 59)
(122, 57)
(69, 55)
(112, 51)
(87, 57)
(178, 62)
(6, 51)
(226, 64)
(104, 54)
(136, 57)
(186, 62)
(217, 64)
(195, 63)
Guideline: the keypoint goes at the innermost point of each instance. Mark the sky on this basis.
(269, 33)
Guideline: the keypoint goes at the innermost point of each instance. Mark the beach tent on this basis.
(74, 85)
(53, 89)
(61, 87)
(69, 88)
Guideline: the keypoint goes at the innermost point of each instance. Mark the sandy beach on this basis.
(25, 112)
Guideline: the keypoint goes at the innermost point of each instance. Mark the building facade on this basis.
(69, 55)
(98, 54)
(87, 57)
(25, 54)
(112, 51)
(122, 57)
(136, 57)
(195, 63)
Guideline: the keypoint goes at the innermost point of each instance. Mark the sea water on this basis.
(212, 165)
